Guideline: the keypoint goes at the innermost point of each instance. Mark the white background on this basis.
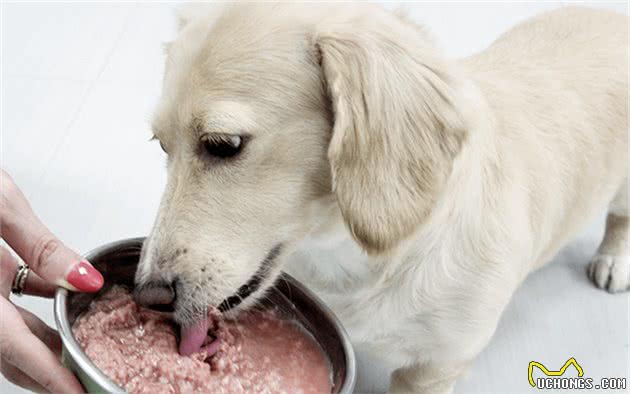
(78, 85)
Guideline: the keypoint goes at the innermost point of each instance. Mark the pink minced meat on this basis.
(261, 353)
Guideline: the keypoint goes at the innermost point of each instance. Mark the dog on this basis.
(435, 185)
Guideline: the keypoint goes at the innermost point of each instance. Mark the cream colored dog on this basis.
(342, 123)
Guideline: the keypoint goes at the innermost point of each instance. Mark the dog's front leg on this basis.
(428, 378)
(451, 354)
(457, 324)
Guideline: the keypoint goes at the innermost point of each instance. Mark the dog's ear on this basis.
(396, 126)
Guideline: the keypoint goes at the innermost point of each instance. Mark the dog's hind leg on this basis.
(610, 268)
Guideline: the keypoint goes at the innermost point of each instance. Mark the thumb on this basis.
(58, 264)
(38, 247)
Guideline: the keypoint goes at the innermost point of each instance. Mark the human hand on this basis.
(29, 349)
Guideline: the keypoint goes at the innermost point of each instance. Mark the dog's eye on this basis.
(222, 145)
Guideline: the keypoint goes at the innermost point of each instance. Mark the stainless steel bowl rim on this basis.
(86, 365)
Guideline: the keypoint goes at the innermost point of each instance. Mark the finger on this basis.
(42, 251)
(34, 284)
(19, 378)
(41, 330)
(8, 269)
(22, 349)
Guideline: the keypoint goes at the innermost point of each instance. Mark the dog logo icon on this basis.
(532, 364)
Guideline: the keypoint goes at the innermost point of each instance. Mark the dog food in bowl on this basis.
(262, 353)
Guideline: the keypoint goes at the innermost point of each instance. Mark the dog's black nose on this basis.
(158, 295)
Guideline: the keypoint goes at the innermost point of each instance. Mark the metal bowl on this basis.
(117, 262)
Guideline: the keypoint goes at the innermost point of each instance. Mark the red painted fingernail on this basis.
(85, 277)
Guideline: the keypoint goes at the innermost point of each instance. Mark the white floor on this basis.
(78, 85)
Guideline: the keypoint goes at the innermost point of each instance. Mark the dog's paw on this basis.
(611, 273)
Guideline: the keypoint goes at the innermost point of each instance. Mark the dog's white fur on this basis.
(458, 177)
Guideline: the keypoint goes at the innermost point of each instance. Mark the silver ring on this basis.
(20, 279)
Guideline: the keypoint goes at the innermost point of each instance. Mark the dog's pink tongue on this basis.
(192, 338)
